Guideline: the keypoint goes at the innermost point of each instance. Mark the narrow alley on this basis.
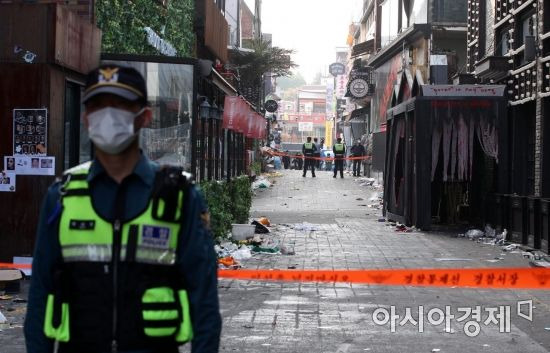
(343, 232)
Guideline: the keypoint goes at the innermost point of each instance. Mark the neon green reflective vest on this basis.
(130, 264)
(339, 147)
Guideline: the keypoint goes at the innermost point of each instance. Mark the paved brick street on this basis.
(292, 317)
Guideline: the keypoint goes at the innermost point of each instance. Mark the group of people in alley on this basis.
(311, 152)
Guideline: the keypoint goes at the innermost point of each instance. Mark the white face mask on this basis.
(112, 129)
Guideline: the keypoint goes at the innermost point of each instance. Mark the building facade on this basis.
(508, 43)
(423, 40)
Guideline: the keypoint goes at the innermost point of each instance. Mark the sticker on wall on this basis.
(30, 131)
(30, 165)
(7, 182)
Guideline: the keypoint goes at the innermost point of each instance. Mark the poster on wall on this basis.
(30, 165)
(30, 131)
(7, 181)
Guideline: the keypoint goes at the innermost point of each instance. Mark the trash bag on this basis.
(260, 228)
(267, 250)
(242, 254)
(474, 233)
(490, 232)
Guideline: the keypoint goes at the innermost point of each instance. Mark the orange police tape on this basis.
(496, 278)
(15, 266)
(282, 154)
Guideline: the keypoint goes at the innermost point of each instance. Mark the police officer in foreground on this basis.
(357, 150)
(339, 150)
(309, 149)
(124, 259)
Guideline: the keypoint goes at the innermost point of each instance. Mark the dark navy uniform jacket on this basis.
(196, 254)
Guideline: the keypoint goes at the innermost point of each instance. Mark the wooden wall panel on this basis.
(22, 86)
(24, 27)
(216, 31)
(77, 42)
(53, 32)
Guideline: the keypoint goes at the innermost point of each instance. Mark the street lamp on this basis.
(214, 112)
(204, 109)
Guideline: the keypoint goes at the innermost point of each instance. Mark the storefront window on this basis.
(390, 21)
(170, 96)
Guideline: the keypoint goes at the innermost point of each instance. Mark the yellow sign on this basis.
(328, 132)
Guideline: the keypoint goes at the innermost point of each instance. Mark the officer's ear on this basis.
(144, 119)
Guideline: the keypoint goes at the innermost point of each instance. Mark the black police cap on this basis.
(125, 82)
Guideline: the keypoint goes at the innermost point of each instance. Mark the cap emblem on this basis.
(108, 75)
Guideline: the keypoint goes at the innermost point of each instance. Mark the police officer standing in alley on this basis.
(124, 259)
(339, 150)
(309, 149)
(357, 150)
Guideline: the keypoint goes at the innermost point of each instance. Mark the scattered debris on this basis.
(266, 249)
(474, 234)
(490, 232)
(359, 199)
(287, 251)
(260, 228)
(510, 247)
(306, 227)
(261, 183)
(265, 221)
(3, 319)
(402, 228)
(242, 253)
(451, 259)
(228, 262)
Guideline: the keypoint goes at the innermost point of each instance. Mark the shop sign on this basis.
(306, 127)
(359, 88)
(336, 69)
(163, 46)
(30, 131)
(271, 106)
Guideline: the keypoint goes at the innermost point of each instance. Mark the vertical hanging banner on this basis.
(250, 120)
(230, 110)
(259, 121)
(30, 131)
(241, 115)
